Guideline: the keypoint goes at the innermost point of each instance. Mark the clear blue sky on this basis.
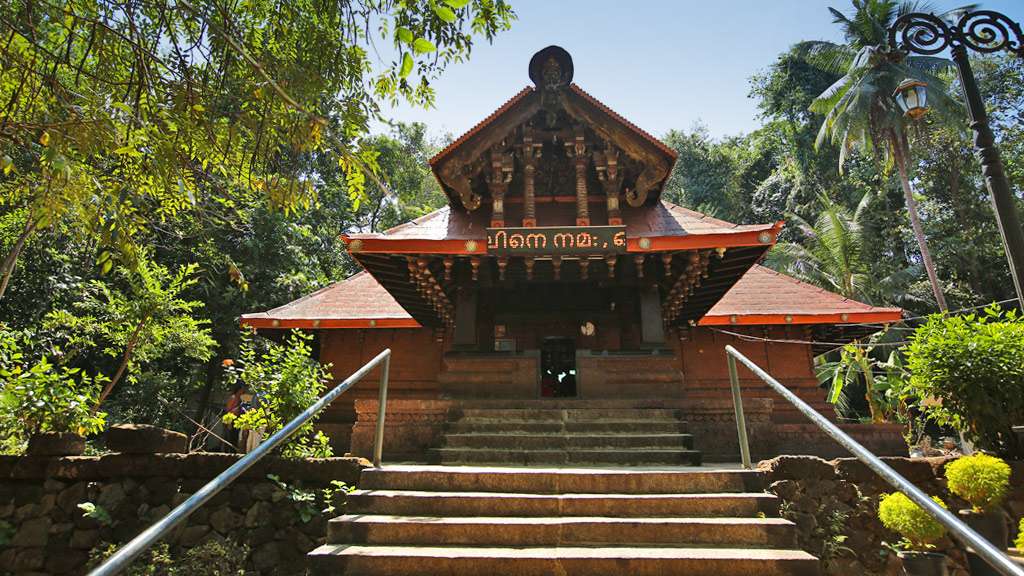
(663, 64)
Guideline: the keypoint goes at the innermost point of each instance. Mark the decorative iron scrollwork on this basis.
(921, 33)
(988, 32)
(982, 30)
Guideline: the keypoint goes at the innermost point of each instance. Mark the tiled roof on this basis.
(351, 303)
(668, 219)
(529, 89)
(764, 296)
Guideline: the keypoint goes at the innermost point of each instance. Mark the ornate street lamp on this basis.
(912, 96)
(986, 32)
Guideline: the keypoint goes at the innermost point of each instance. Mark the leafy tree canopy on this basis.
(124, 114)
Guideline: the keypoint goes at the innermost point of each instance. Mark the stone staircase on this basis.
(575, 434)
(455, 521)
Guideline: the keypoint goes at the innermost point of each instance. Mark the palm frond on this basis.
(824, 55)
(828, 99)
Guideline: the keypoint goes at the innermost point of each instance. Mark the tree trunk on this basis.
(128, 350)
(900, 148)
(7, 267)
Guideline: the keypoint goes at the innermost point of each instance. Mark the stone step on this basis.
(341, 559)
(521, 441)
(570, 403)
(559, 480)
(590, 456)
(585, 427)
(560, 531)
(412, 502)
(569, 414)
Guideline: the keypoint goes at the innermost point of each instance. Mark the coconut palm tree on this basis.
(832, 255)
(859, 109)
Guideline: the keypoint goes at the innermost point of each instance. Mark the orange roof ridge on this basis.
(604, 107)
(480, 125)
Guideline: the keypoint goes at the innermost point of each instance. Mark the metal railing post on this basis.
(382, 403)
(741, 420)
(995, 557)
(130, 551)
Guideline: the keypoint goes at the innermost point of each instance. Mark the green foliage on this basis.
(981, 479)
(1019, 542)
(37, 396)
(305, 500)
(284, 380)
(334, 496)
(7, 531)
(96, 512)
(857, 367)
(901, 515)
(154, 562)
(142, 319)
(122, 117)
(213, 557)
(974, 366)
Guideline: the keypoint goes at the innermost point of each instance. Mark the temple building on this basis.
(558, 291)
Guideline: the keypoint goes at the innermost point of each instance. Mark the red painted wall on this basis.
(417, 361)
(706, 374)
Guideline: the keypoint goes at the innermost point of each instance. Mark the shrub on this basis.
(980, 479)
(974, 366)
(284, 380)
(38, 396)
(1019, 542)
(154, 562)
(213, 558)
(917, 527)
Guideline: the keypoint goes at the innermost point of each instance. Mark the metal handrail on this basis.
(995, 557)
(130, 551)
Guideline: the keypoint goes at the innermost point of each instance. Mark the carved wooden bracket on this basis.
(499, 176)
(607, 164)
(656, 167)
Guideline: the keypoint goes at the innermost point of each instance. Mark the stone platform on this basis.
(436, 430)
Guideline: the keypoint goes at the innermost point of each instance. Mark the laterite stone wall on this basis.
(46, 531)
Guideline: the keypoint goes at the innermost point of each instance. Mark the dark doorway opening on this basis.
(558, 368)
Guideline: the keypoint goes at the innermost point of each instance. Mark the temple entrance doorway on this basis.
(558, 368)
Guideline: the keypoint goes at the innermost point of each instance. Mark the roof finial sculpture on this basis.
(551, 68)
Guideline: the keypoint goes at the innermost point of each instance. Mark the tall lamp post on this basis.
(986, 32)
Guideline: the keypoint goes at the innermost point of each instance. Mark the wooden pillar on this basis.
(652, 328)
(577, 149)
(531, 152)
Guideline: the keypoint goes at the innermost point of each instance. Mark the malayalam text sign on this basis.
(552, 240)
